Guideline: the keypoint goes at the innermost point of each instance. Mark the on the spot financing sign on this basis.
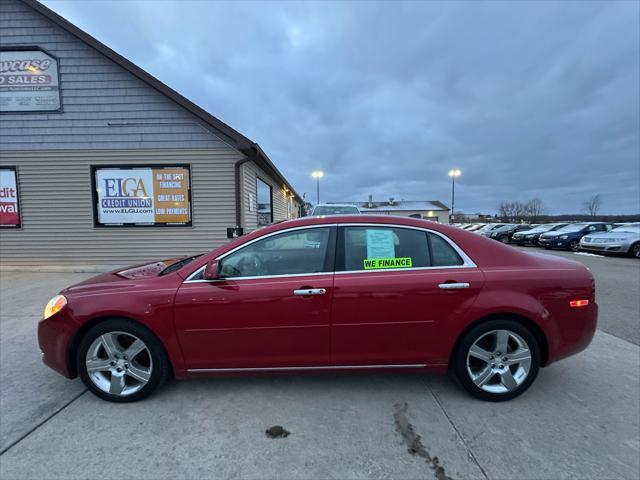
(143, 196)
(28, 81)
(9, 209)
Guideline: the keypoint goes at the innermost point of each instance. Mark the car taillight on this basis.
(578, 303)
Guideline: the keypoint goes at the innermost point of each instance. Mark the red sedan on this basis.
(336, 293)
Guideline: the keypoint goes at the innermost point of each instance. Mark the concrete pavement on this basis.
(581, 419)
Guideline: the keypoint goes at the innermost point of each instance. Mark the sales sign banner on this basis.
(143, 196)
(9, 208)
(28, 81)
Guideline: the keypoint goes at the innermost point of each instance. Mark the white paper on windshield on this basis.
(380, 244)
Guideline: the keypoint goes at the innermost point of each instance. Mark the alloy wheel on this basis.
(499, 361)
(636, 250)
(574, 245)
(118, 363)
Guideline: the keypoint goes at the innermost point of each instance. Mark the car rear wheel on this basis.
(635, 250)
(497, 360)
(121, 361)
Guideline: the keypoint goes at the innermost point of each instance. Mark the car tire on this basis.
(574, 245)
(492, 378)
(504, 239)
(122, 361)
(635, 250)
(547, 248)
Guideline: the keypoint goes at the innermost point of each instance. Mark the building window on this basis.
(265, 202)
(125, 195)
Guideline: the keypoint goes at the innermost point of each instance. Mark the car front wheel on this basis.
(121, 361)
(504, 239)
(574, 245)
(497, 360)
(635, 250)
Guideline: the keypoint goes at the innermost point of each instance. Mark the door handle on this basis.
(310, 291)
(453, 286)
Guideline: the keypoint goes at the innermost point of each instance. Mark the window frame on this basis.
(340, 259)
(329, 259)
(271, 217)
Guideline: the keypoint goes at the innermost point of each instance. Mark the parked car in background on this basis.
(489, 227)
(568, 237)
(334, 209)
(473, 226)
(530, 237)
(620, 240)
(505, 232)
(342, 293)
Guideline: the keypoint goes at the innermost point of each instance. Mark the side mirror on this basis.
(211, 271)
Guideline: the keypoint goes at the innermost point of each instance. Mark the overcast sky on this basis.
(528, 99)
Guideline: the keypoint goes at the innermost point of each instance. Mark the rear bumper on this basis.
(574, 332)
(54, 337)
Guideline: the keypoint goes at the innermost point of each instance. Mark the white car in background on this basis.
(324, 209)
(623, 240)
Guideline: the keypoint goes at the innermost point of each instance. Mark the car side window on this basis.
(592, 228)
(442, 253)
(380, 248)
(288, 253)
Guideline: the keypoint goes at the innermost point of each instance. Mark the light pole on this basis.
(318, 174)
(453, 173)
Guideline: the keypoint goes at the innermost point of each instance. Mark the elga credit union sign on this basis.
(9, 207)
(28, 81)
(142, 196)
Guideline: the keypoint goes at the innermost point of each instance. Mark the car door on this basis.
(394, 289)
(270, 308)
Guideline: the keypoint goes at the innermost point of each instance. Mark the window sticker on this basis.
(380, 244)
(377, 263)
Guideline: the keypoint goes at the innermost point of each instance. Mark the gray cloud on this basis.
(527, 98)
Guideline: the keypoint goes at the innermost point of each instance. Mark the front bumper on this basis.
(553, 242)
(523, 240)
(603, 247)
(54, 337)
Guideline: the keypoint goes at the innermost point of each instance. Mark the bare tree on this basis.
(593, 205)
(519, 211)
(535, 208)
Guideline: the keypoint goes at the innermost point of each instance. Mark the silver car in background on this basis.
(622, 240)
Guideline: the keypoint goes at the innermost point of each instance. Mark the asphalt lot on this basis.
(581, 419)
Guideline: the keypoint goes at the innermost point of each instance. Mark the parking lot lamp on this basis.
(453, 173)
(318, 174)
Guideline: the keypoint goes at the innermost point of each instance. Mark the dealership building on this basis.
(103, 164)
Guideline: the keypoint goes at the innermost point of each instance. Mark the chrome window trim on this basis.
(467, 262)
(312, 367)
(239, 247)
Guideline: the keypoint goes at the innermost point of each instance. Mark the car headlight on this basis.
(56, 304)
(564, 237)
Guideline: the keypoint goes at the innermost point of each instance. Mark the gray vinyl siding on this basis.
(57, 215)
(95, 92)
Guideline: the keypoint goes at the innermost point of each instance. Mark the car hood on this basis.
(136, 272)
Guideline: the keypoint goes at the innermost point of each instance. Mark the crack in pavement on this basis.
(464, 442)
(36, 427)
(414, 441)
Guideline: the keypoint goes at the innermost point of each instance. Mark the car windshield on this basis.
(335, 210)
(627, 229)
(507, 226)
(575, 227)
